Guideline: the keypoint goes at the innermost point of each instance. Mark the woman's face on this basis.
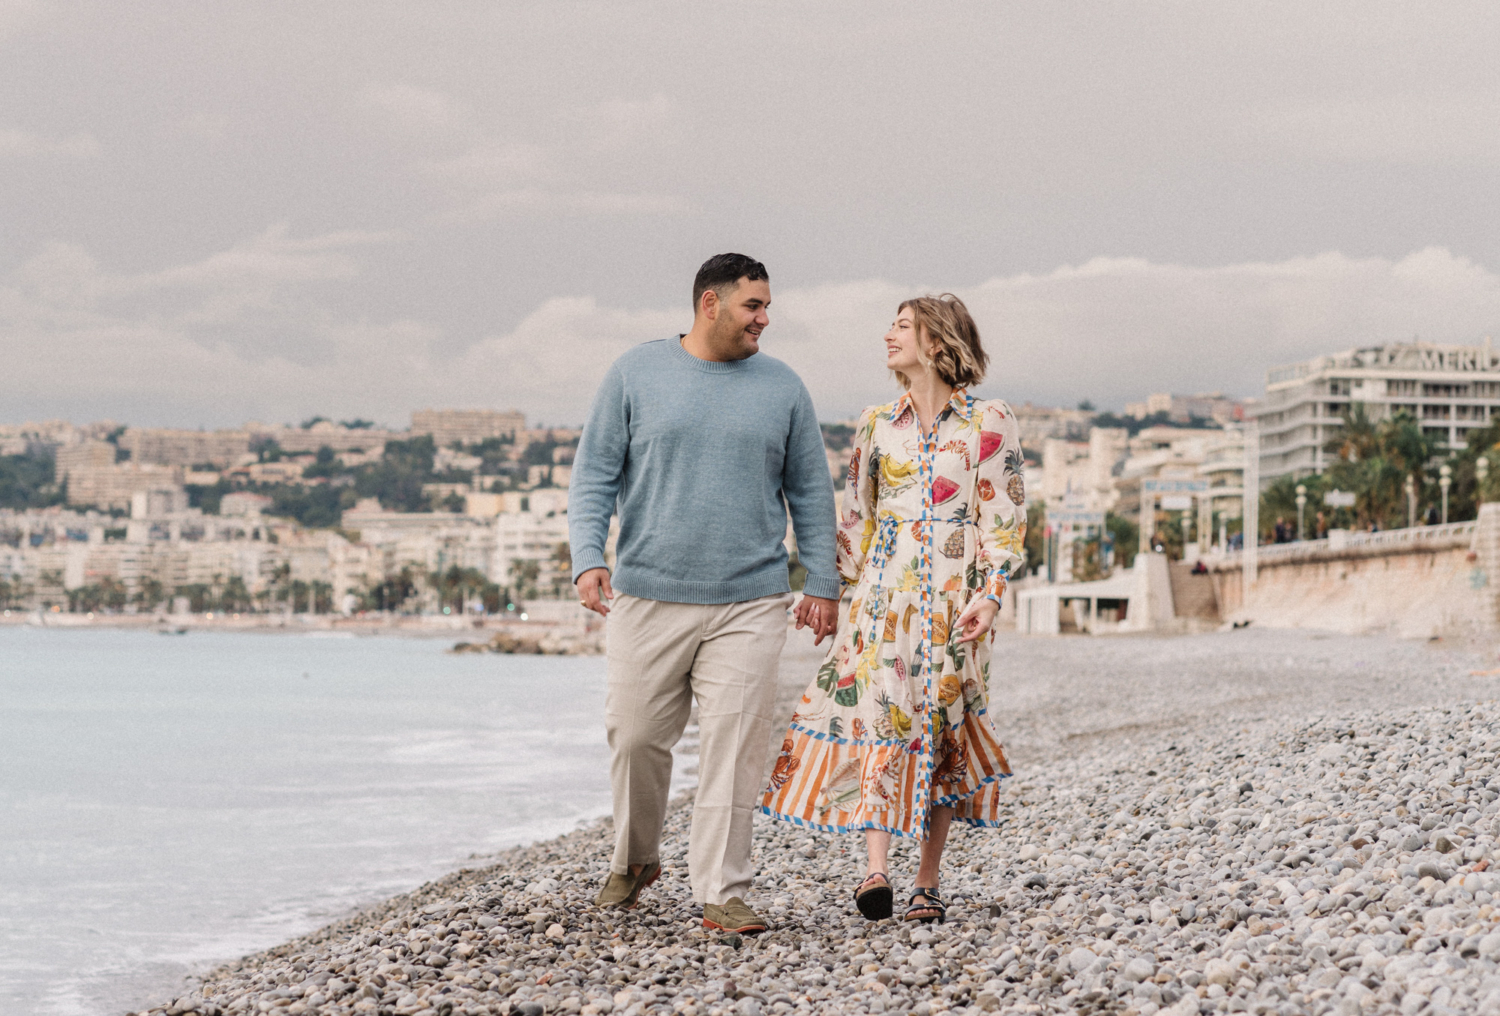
(903, 346)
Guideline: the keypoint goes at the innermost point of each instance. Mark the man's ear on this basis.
(709, 304)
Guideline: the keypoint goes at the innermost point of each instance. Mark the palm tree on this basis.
(1374, 462)
(1358, 439)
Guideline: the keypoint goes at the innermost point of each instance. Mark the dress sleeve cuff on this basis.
(994, 586)
(826, 587)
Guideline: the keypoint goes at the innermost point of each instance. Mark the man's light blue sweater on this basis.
(697, 457)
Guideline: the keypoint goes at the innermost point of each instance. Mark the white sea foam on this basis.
(170, 803)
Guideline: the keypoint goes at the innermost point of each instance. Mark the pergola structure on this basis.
(1063, 523)
(1174, 495)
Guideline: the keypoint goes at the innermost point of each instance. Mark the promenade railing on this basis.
(1453, 534)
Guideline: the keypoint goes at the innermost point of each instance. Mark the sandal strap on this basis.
(935, 902)
(885, 881)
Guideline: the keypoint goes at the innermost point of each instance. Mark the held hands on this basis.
(819, 614)
(977, 618)
(594, 589)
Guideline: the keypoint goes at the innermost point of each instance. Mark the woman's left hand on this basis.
(977, 618)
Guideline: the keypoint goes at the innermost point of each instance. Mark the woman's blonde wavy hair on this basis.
(957, 355)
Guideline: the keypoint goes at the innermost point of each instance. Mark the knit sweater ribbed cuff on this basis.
(827, 587)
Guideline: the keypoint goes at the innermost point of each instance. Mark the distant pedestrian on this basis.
(1320, 527)
(702, 444)
(891, 736)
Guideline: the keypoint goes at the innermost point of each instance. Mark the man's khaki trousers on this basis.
(661, 657)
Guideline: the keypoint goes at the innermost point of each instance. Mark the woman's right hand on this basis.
(977, 619)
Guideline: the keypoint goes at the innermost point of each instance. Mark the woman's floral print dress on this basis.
(895, 719)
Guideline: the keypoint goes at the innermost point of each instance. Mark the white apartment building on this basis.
(168, 447)
(1451, 390)
(1079, 473)
(326, 434)
(1223, 467)
(466, 426)
(94, 478)
(1215, 406)
(1041, 422)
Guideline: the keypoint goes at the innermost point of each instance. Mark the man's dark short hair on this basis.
(722, 271)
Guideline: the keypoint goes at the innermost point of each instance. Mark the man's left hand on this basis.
(821, 615)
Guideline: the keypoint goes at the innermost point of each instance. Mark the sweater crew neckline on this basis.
(707, 366)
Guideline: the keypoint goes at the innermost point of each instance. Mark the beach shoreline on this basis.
(1314, 851)
(558, 627)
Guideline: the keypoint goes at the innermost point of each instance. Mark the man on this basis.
(702, 443)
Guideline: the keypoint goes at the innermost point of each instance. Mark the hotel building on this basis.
(1450, 390)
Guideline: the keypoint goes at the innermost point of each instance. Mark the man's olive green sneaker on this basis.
(624, 891)
(732, 916)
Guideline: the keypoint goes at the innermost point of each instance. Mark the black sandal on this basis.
(933, 910)
(875, 902)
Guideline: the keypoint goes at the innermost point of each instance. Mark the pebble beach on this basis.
(1265, 822)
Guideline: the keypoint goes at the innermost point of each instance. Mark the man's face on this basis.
(739, 318)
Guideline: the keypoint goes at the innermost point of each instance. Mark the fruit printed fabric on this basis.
(896, 718)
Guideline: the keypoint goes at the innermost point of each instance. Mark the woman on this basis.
(891, 736)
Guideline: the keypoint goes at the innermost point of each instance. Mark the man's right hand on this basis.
(594, 589)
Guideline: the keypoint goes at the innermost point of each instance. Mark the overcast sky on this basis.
(218, 212)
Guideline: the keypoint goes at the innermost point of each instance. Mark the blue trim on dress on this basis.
(952, 798)
(827, 828)
(888, 525)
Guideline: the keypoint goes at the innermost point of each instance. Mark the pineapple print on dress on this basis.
(923, 533)
(1015, 487)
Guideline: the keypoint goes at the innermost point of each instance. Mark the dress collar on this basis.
(961, 402)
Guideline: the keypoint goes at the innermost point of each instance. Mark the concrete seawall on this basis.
(1419, 589)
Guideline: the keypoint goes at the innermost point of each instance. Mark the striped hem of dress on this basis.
(955, 798)
(825, 828)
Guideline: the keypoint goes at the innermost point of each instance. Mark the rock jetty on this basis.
(1333, 864)
(553, 642)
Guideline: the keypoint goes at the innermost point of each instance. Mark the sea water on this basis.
(167, 802)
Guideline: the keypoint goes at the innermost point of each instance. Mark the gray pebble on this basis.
(1258, 855)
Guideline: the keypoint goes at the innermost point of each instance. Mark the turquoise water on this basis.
(170, 801)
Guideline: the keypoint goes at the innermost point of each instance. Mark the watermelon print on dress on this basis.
(895, 718)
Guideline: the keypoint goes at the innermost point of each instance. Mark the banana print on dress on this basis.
(895, 718)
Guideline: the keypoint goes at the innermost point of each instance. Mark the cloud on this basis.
(1110, 329)
(21, 145)
(225, 349)
(617, 123)
(67, 277)
(413, 106)
(496, 180)
(493, 177)
(18, 14)
(537, 201)
(1452, 129)
(488, 165)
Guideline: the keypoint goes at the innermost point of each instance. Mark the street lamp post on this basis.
(1301, 512)
(1411, 501)
(1445, 480)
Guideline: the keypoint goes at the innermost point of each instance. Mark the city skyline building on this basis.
(1450, 390)
(467, 426)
